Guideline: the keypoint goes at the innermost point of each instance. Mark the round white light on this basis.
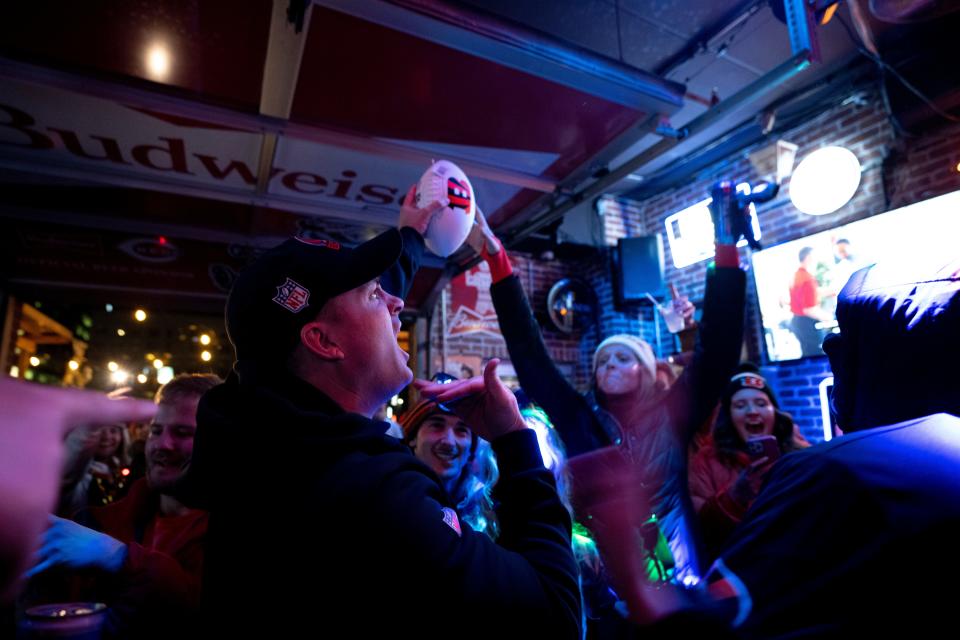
(112, 366)
(34, 361)
(74, 365)
(140, 315)
(158, 62)
(119, 376)
(205, 356)
(204, 339)
(825, 180)
(158, 364)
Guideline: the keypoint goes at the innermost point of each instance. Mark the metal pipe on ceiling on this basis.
(699, 42)
(754, 90)
(852, 78)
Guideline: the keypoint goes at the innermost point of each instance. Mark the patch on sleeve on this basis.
(451, 520)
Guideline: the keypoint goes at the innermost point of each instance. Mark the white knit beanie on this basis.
(640, 348)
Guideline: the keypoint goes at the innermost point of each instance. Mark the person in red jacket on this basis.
(146, 550)
(805, 298)
(724, 477)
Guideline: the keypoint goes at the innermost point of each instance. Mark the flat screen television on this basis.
(798, 281)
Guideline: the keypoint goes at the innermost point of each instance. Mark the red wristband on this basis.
(500, 267)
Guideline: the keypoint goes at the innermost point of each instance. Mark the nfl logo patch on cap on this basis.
(292, 296)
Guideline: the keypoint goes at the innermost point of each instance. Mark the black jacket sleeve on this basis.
(695, 393)
(570, 412)
(397, 280)
(527, 580)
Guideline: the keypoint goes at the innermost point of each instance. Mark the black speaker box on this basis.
(638, 270)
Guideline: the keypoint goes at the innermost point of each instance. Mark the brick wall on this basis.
(536, 276)
(896, 172)
(797, 387)
(573, 353)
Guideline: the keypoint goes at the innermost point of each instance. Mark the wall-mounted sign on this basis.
(471, 304)
(152, 250)
(72, 257)
(113, 143)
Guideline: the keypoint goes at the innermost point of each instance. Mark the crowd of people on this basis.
(275, 501)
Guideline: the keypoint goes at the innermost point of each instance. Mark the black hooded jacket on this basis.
(320, 519)
(321, 523)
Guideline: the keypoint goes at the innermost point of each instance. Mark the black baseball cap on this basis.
(287, 286)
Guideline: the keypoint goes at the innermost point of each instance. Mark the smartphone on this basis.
(763, 446)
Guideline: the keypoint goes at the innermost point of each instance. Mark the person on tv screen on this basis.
(845, 262)
(805, 306)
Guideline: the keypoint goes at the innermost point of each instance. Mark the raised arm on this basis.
(570, 412)
(413, 223)
(694, 395)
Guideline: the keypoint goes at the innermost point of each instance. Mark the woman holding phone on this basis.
(750, 435)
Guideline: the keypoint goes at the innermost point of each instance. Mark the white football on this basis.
(445, 183)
